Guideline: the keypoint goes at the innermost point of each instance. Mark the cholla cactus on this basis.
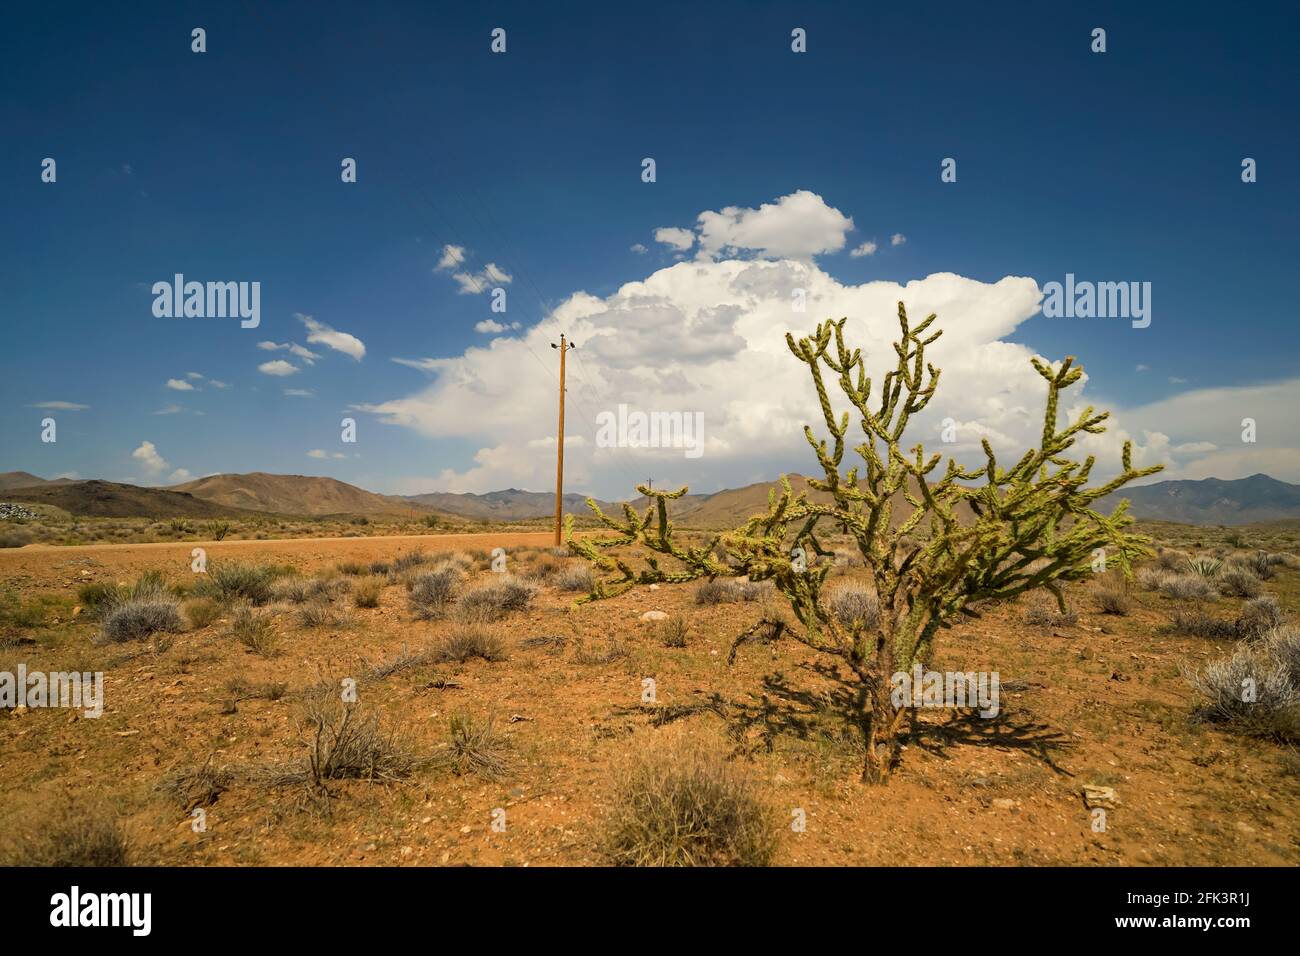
(1027, 527)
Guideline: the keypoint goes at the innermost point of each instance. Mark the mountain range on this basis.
(1209, 501)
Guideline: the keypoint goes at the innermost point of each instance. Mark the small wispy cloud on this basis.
(60, 406)
(180, 385)
(278, 367)
(866, 249)
(318, 333)
(322, 453)
(300, 393)
(897, 239)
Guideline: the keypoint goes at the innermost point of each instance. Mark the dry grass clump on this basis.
(366, 594)
(1237, 581)
(1189, 587)
(1171, 559)
(614, 650)
(135, 619)
(1257, 616)
(254, 631)
(321, 613)
(300, 590)
(74, 835)
(468, 642)
(544, 567)
(672, 631)
(15, 537)
(347, 742)
(728, 591)
(431, 593)
(408, 561)
(504, 595)
(237, 581)
(1151, 578)
(684, 805)
(855, 606)
(575, 577)
(199, 787)
(474, 747)
(201, 612)
(1049, 615)
(1111, 594)
(1256, 690)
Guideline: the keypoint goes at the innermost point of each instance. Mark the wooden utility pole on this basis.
(564, 347)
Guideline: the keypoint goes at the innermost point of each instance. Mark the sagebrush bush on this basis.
(467, 642)
(1111, 595)
(1151, 579)
(1171, 559)
(201, 612)
(78, 835)
(505, 594)
(1239, 582)
(1189, 587)
(855, 605)
(366, 593)
(348, 742)
(237, 581)
(683, 805)
(727, 591)
(673, 631)
(474, 746)
(15, 537)
(409, 560)
(575, 577)
(432, 592)
(1258, 615)
(254, 631)
(1256, 689)
(135, 619)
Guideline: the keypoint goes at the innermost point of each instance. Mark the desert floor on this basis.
(1103, 701)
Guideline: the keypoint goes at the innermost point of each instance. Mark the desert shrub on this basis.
(1111, 596)
(1261, 565)
(254, 631)
(727, 591)
(1258, 615)
(15, 537)
(672, 631)
(348, 743)
(432, 592)
(237, 581)
(1256, 689)
(218, 529)
(1189, 587)
(544, 567)
(198, 787)
(354, 568)
(1049, 615)
(366, 593)
(1239, 582)
(505, 594)
(575, 577)
(1151, 579)
(1204, 566)
(201, 612)
(469, 642)
(1171, 559)
(78, 835)
(409, 560)
(855, 606)
(321, 613)
(98, 598)
(614, 650)
(474, 747)
(135, 619)
(683, 805)
(1196, 622)
(380, 568)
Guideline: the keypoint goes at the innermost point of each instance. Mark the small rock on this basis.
(1095, 795)
(654, 587)
(654, 616)
(1002, 803)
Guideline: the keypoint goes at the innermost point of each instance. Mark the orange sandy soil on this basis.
(1104, 702)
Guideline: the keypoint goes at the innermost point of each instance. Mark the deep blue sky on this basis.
(1122, 165)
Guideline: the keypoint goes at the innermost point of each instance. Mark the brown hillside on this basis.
(295, 495)
(108, 499)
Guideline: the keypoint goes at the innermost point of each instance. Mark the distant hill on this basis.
(509, 505)
(295, 495)
(25, 479)
(108, 499)
(1213, 501)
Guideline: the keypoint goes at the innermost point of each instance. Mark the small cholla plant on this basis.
(1027, 527)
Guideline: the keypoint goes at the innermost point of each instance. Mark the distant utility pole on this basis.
(559, 449)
